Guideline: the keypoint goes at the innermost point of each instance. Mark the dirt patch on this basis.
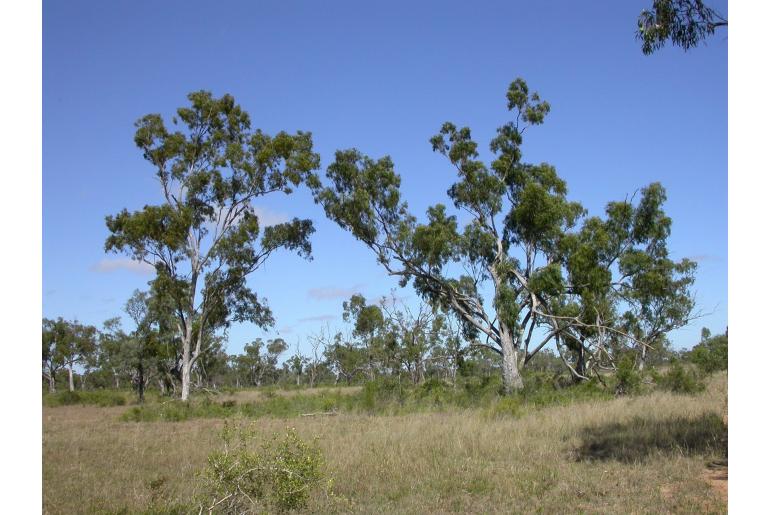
(716, 477)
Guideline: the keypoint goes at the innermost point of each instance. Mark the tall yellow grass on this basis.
(460, 461)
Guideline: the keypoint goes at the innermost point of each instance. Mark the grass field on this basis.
(645, 454)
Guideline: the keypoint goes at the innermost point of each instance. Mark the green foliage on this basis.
(686, 23)
(280, 475)
(524, 235)
(384, 396)
(204, 238)
(679, 379)
(710, 355)
(628, 380)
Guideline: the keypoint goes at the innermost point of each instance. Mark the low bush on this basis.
(679, 379)
(280, 475)
(627, 379)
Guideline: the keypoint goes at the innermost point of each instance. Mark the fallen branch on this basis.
(321, 414)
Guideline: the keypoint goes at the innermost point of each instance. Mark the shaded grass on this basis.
(640, 437)
(102, 398)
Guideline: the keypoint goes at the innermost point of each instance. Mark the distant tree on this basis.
(55, 334)
(297, 363)
(418, 333)
(202, 238)
(67, 344)
(368, 323)
(710, 355)
(318, 343)
(114, 350)
(212, 367)
(684, 23)
(547, 280)
(448, 353)
(345, 359)
(144, 345)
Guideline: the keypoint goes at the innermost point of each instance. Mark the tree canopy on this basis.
(685, 23)
(204, 238)
(550, 270)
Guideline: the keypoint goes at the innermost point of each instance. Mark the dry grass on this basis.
(460, 461)
(255, 395)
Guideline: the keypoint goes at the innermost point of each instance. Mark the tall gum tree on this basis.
(204, 237)
(549, 280)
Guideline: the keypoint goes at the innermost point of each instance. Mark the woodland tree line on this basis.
(528, 271)
(386, 339)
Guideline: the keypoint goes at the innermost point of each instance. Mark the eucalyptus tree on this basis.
(259, 360)
(546, 277)
(685, 23)
(418, 333)
(55, 333)
(345, 359)
(204, 236)
(297, 364)
(67, 344)
(114, 347)
(318, 343)
(368, 323)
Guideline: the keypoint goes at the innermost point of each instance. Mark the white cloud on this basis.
(111, 265)
(268, 217)
(700, 258)
(332, 292)
(319, 318)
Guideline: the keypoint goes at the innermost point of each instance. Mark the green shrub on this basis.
(680, 380)
(710, 355)
(627, 379)
(281, 475)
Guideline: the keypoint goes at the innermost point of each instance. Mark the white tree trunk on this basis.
(511, 376)
(186, 364)
(186, 379)
(72, 381)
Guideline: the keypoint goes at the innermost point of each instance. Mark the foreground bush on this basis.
(281, 475)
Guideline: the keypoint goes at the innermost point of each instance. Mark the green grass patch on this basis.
(382, 397)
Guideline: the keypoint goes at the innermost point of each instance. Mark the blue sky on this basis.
(382, 78)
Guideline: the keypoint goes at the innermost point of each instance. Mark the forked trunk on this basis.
(51, 382)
